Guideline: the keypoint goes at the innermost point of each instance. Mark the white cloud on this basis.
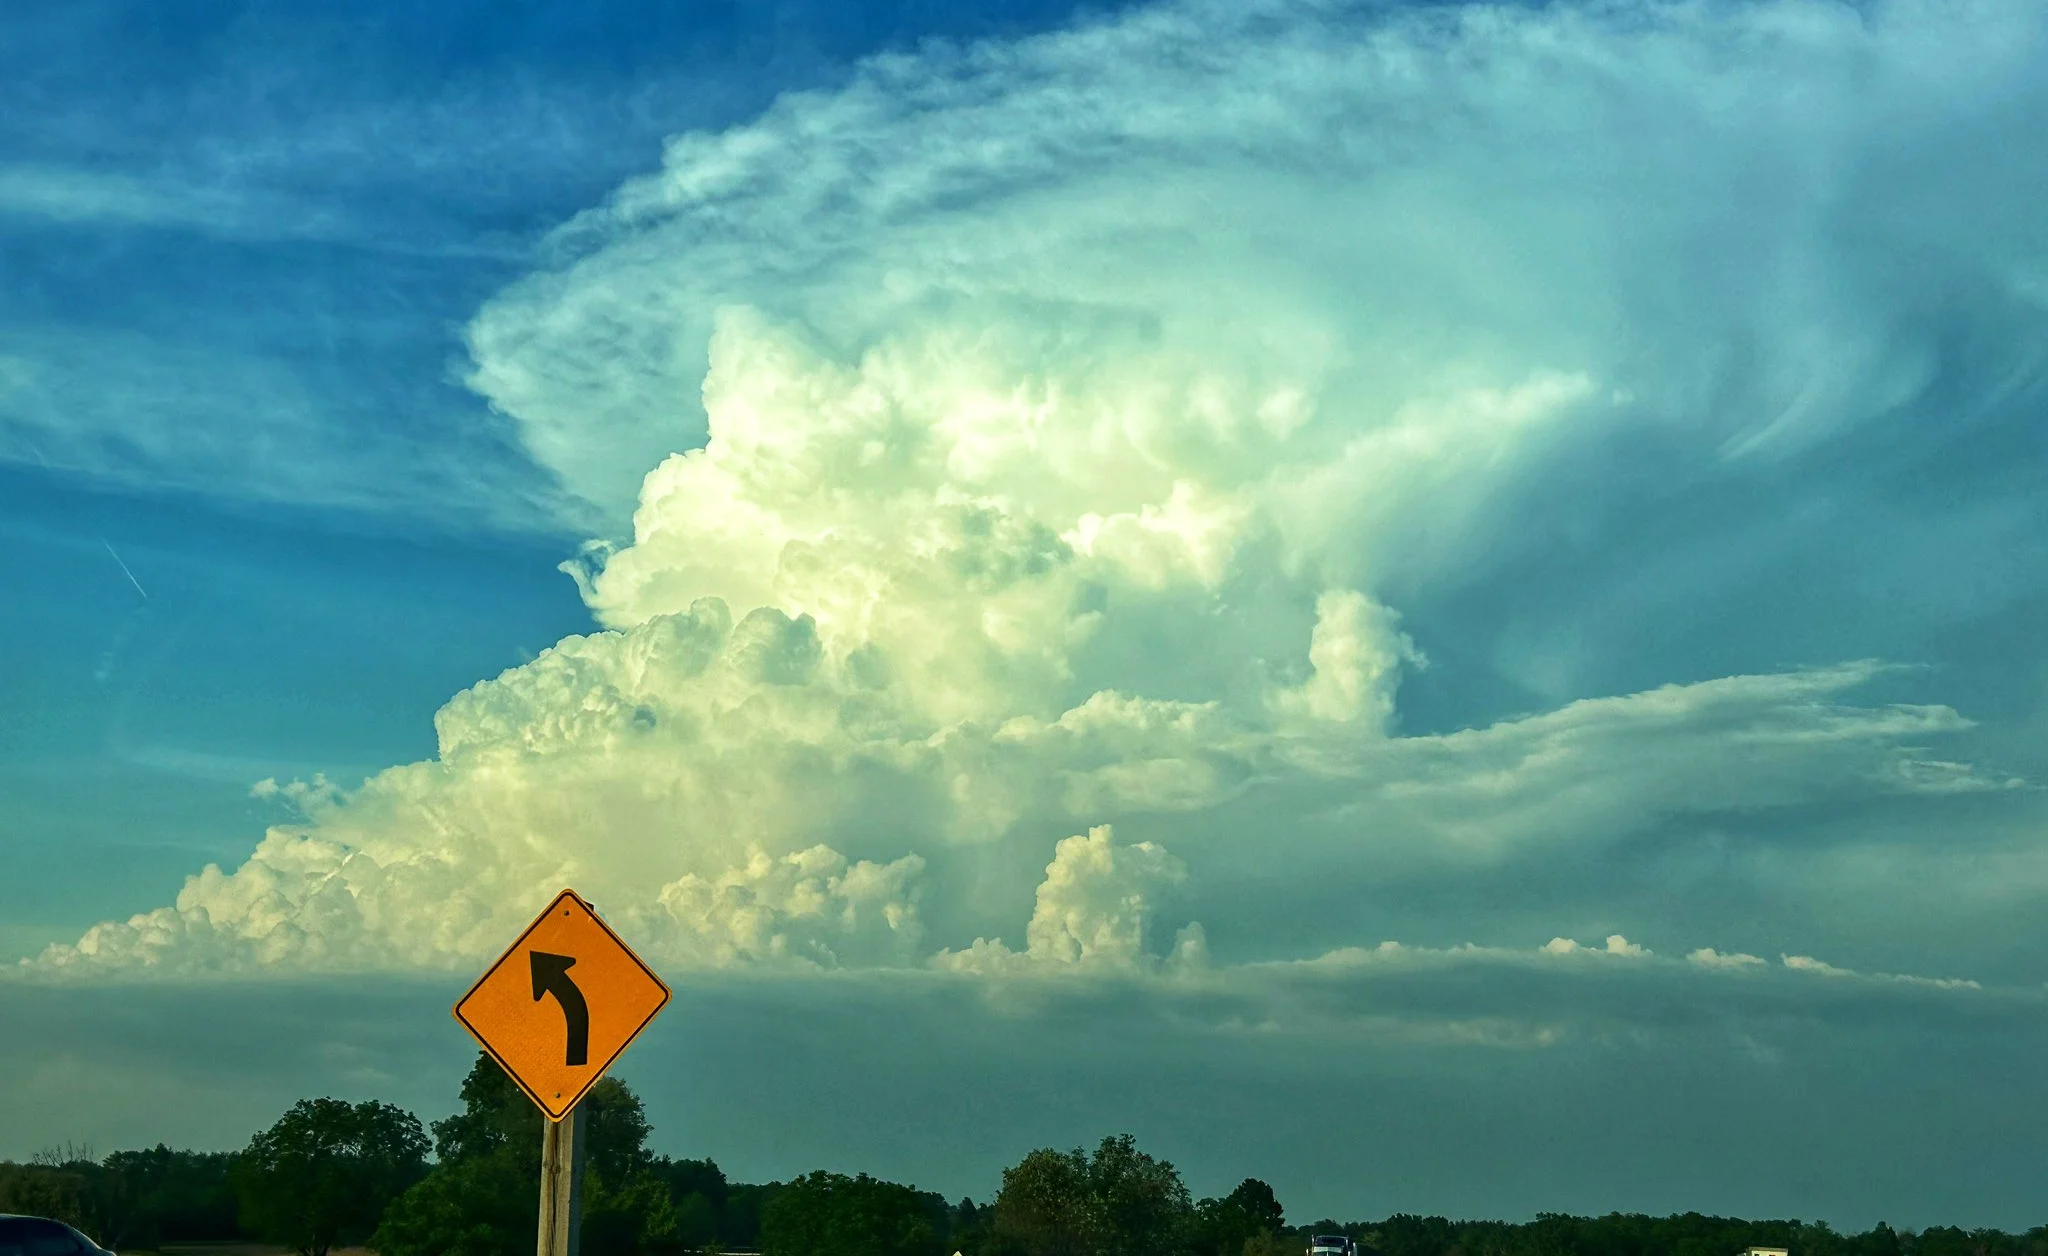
(1708, 957)
(214, 406)
(203, 204)
(1094, 910)
(72, 195)
(1556, 995)
(1616, 945)
(1821, 968)
(812, 906)
(1400, 247)
(1356, 654)
(1068, 406)
(1602, 767)
(743, 798)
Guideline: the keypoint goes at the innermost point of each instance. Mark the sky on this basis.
(1438, 604)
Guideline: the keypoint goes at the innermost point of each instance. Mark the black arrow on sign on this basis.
(551, 976)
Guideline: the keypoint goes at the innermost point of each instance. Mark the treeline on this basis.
(331, 1174)
(1623, 1234)
(138, 1198)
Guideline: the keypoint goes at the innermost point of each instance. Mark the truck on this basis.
(1332, 1245)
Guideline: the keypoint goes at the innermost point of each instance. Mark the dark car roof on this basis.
(17, 1216)
(22, 1216)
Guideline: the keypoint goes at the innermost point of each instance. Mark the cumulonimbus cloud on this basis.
(1025, 435)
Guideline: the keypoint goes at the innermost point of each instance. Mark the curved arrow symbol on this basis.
(551, 976)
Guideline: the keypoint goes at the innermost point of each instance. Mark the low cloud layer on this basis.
(684, 773)
(1435, 1090)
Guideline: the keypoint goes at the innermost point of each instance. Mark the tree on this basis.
(700, 1192)
(829, 1214)
(1256, 1203)
(325, 1172)
(616, 1126)
(130, 1199)
(43, 1190)
(176, 1196)
(1881, 1241)
(636, 1217)
(495, 1113)
(1142, 1205)
(1044, 1206)
(739, 1222)
(1249, 1212)
(482, 1205)
(970, 1228)
(1117, 1202)
(482, 1198)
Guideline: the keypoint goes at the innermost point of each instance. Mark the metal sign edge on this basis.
(569, 1105)
(641, 964)
(546, 1109)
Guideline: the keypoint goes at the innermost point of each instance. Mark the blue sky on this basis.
(1200, 568)
(241, 244)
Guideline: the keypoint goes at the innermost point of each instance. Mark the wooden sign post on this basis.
(562, 1146)
(557, 1053)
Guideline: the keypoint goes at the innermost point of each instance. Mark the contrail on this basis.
(124, 569)
(37, 451)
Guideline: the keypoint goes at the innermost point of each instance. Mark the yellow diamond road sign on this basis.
(561, 1004)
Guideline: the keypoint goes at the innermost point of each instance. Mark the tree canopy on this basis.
(328, 1172)
(482, 1197)
(829, 1214)
(325, 1172)
(1250, 1212)
(1119, 1201)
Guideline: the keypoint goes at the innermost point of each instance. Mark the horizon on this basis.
(1470, 574)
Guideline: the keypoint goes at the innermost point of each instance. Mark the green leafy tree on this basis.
(633, 1218)
(695, 1177)
(43, 1190)
(1117, 1202)
(483, 1197)
(616, 1127)
(483, 1205)
(699, 1191)
(67, 1184)
(829, 1214)
(628, 1206)
(324, 1173)
(495, 1114)
(111, 1212)
(1142, 1204)
(176, 1196)
(1687, 1234)
(696, 1221)
(970, 1228)
(1881, 1241)
(130, 1199)
(1251, 1211)
(1045, 1207)
(739, 1224)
